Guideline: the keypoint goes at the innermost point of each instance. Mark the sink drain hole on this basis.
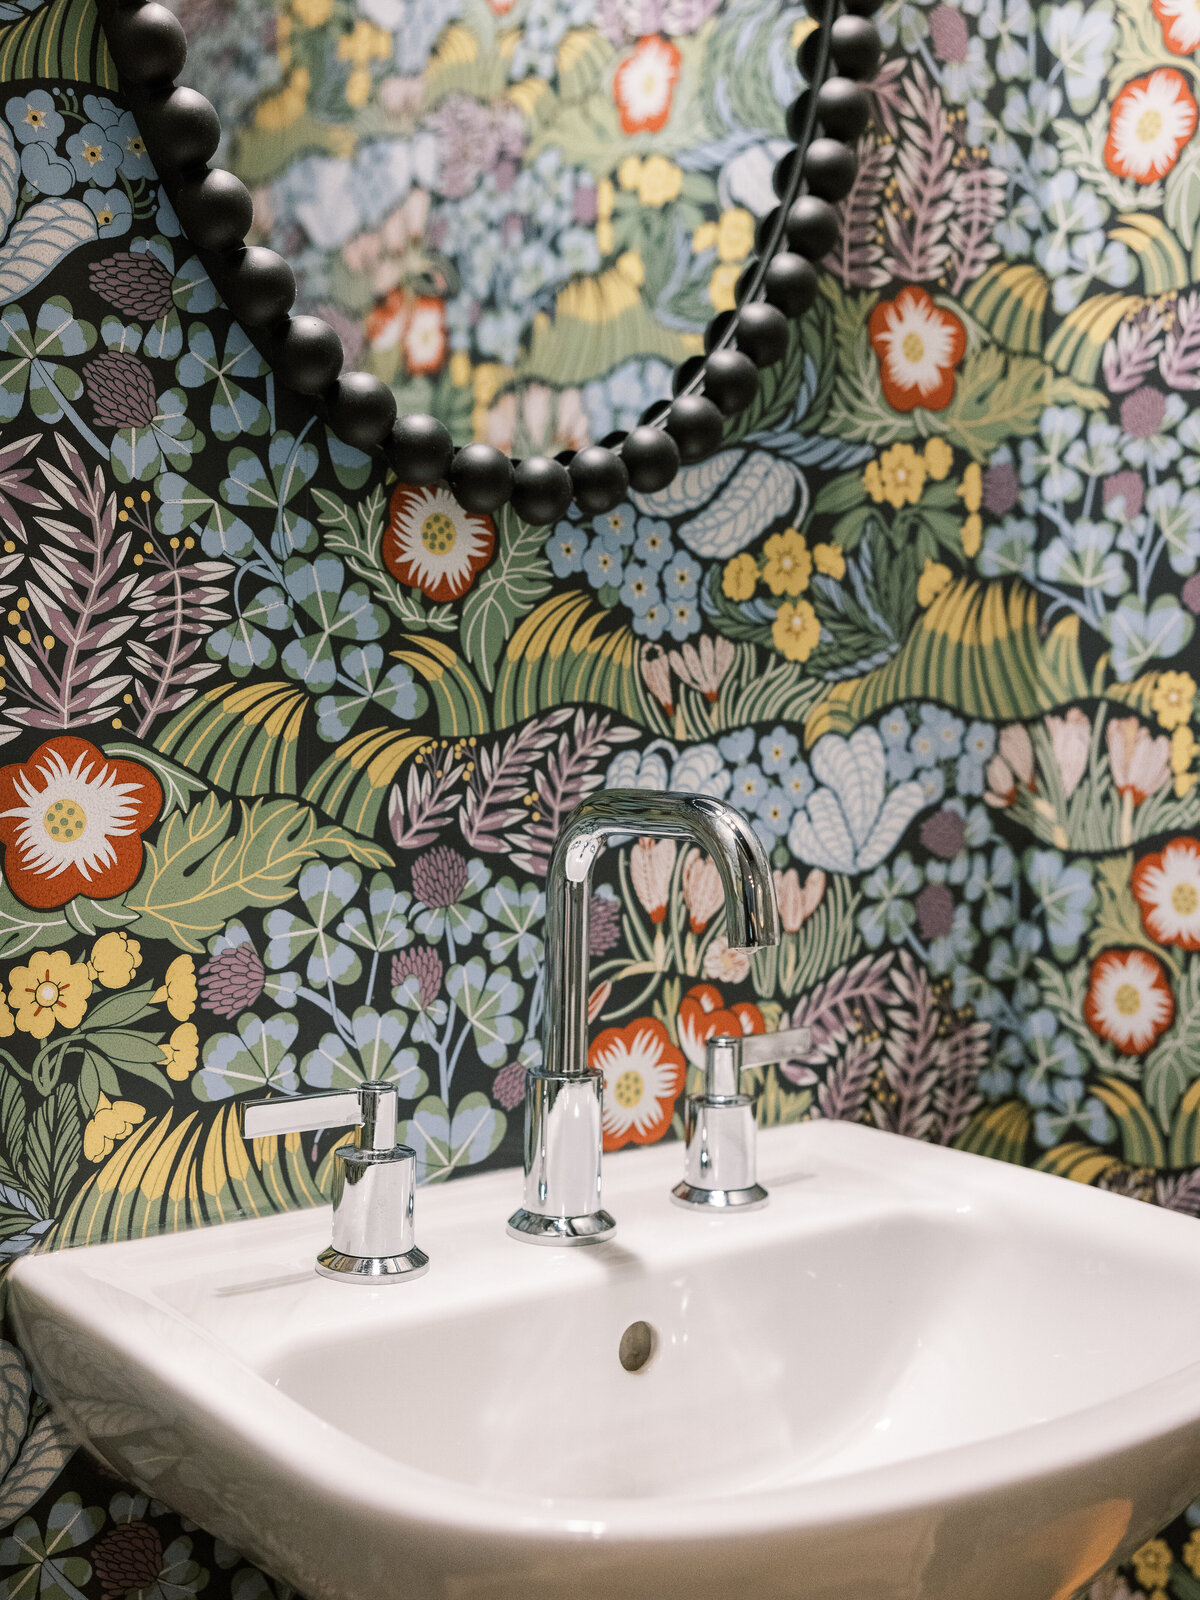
(637, 1347)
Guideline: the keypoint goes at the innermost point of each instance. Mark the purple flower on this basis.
(508, 1086)
(121, 389)
(1127, 486)
(231, 981)
(944, 834)
(439, 876)
(423, 964)
(137, 285)
(948, 29)
(604, 924)
(1142, 412)
(935, 911)
(1001, 487)
(1191, 594)
(472, 138)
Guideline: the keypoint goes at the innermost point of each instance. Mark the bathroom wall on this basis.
(928, 617)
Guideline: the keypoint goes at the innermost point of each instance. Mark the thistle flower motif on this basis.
(508, 1086)
(604, 924)
(231, 981)
(121, 389)
(137, 285)
(127, 1559)
(423, 964)
(439, 877)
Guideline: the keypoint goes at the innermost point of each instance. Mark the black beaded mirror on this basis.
(182, 132)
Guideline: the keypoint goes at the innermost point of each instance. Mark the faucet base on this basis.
(752, 1198)
(532, 1227)
(404, 1268)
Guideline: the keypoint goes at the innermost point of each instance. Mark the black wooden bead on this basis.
(809, 54)
(651, 458)
(654, 414)
(420, 449)
(181, 129)
(764, 230)
(718, 328)
(696, 426)
(843, 109)
(829, 168)
(611, 441)
(784, 175)
(215, 211)
(685, 372)
(306, 354)
(856, 47)
(481, 478)
(541, 490)
(599, 479)
(812, 227)
(361, 410)
(762, 333)
(797, 115)
(862, 8)
(745, 283)
(147, 44)
(258, 286)
(730, 381)
(790, 283)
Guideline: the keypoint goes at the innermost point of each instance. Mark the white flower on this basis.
(848, 825)
(73, 818)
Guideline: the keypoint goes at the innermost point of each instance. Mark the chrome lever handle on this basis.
(373, 1179)
(727, 1054)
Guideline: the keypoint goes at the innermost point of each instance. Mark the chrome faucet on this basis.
(563, 1097)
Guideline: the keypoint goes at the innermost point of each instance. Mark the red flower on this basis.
(71, 822)
(1166, 886)
(1152, 119)
(425, 336)
(918, 346)
(644, 85)
(432, 544)
(644, 1075)
(1129, 1001)
(703, 1015)
(1180, 21)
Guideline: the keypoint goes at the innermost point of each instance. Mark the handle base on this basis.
(689, 1194)
(404, 1268)
(533, 1227)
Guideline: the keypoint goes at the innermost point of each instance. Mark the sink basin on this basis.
(916, 1375)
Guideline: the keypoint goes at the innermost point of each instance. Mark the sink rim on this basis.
(280, 1430)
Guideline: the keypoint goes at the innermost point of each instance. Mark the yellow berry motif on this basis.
(829, 560)
(970, 490)
(939, 458)
(934, 578)
(972, 535)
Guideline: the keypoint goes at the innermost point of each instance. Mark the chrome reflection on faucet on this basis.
(563, 1098)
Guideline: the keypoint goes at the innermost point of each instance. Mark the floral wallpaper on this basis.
(284, 745)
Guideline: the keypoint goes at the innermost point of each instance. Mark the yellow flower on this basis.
(365, 42)
(51, 989)
(972, 535)
(629, 172)
(829, 560)
(114, 959)
(939, 458)
(660, 181)
(1173, 697)
(181, 1052)
(488, 379)
(605, 196)
(740, 578)
(970, 490)
(280, 110)
(735, 235)
(179, 988)
(902, 471)
(704, 238)
(873, 482)
(721, 286)
(1152, 1563)
(789, 565)
(8, 1024)
(111, 1121)
(629, 265)
(1183, 749)
(604, 236)
(460, 369)
(358, 88)
(313, 13)
(934, 578)
(795, 631)
(1191, 1552)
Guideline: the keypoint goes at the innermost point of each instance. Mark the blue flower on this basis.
(736, 747)
(778, 749)
(775, 811)
(616, 527)
(933, 784)
(749, 786)
(603, 567)
(652, 624)
(45, 171)
(938, 736)
(797, 782)
(112, 210)
(33, 118)
(900, 765)
(894, 729)
(640, 589)
(122, 130)
(979, 742)
(653, 544)
(1064, 895)
(94, 155)
(684, 619)
(681, 578)
(565, 549)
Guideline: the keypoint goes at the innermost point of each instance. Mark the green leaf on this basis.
(53, 1147)
(15, 1392)
(514, 583)
(1175, 1060)
(115, 1010)
(222, 858)
(444, 1143)
(47, 1448)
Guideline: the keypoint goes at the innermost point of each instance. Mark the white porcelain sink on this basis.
(917, 1375)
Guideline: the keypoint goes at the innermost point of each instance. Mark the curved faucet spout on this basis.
(751, 913)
